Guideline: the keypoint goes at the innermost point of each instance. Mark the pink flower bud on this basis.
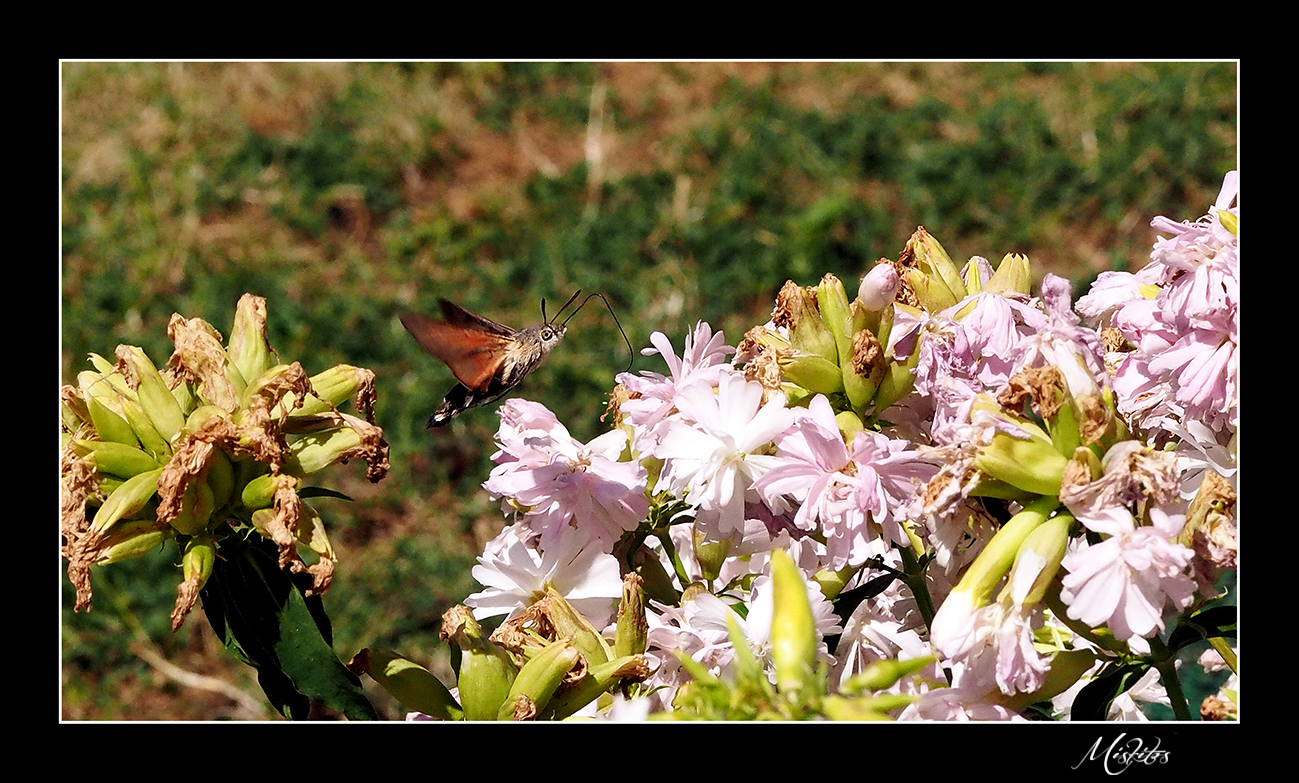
(878, 287)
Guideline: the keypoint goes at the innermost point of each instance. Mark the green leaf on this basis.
(1212, 622)
(321, 492)
(264, 617)
(1093, 701)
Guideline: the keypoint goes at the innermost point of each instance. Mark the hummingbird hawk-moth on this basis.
(487, 358)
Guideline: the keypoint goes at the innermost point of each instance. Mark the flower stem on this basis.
(913, 576)
(677, 566)
(1167, 666)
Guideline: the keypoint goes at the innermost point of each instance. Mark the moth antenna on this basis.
(576, 294)
(630, 351)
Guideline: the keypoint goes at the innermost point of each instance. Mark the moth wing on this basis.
(472, 353)
(459, 316)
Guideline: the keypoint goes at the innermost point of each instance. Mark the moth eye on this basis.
(547, 333)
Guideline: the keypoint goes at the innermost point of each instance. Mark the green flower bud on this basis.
(884, 674)
(1229, 221)
(316, 451)
(154, 394)
(330, 389)
(570, 624)
(127, 500)
(711, 555)
(220, 475)
(116, 459)
(868, 708)
(109, 372)
(632, 627)
(249, 350)
(832, 302)
(409, 683)
(838, 317)
(110, 423)
(797, 311)
(929, 271)
(486, 669)
(150, 439)
(983, 575)
(1013, 276)
(197, 563)
(793, 629)
(598, 680)
(812, 372)
(1037, 561)
(975, 274)
(1033, 465)
(196, 508)
(199, 560)
(849, 424)
(898, 380)
(132, 538)
(538, 679)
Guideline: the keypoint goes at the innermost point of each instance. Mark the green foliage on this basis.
(264, 616)
(348, 193)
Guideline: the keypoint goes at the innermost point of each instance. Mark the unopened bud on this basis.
(1037, 561)
(1013, 276)
(249, 349)
(793, 629)
(711, 555)
(930, 273)
(977, 584)
(878, 287)
(798, 312)
(976, 274)
(571, 624)
(538, 679)
(486, 669)
(632, 626)
(1031, 463)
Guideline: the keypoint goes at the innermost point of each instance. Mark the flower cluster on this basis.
(212, 448)
(1012, 498)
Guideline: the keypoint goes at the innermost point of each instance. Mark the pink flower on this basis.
(711, 448)
(562, 483)
(515, 575)
(971, 348)
(1180, 314)
(703, 360)
(1064, 343)
(1127, 581)
(851, 498)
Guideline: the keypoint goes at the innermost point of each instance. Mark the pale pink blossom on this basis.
(712, 450)
(1127, 581)
(563, 485)
(702, 360)
(515, 574)
(1180, 313)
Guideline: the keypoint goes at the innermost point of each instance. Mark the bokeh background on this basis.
(348, 193)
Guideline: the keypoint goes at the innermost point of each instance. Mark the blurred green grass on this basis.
(347, 193)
